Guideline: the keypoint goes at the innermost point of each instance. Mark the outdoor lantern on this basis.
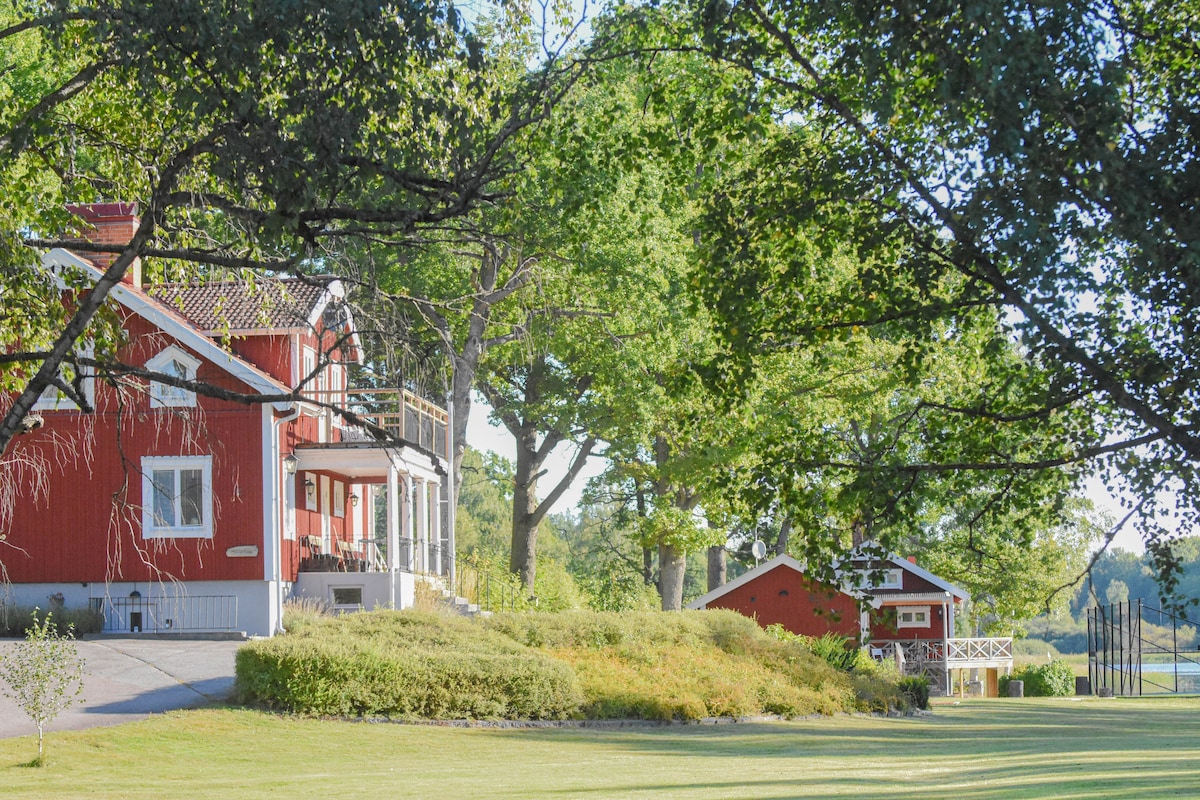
(353, 499)
(309, 486)
(290, 462)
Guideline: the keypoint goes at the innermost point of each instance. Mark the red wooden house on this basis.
(889, 604)
(171, 511)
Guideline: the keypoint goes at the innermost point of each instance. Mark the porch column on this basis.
(406, 522)
(435, 526)
(393, 530)
(421, 526)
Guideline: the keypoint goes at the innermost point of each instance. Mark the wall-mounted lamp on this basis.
(310, 488)
(353, 499)
(290, 463)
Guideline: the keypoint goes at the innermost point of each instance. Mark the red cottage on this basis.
(170, 511)
(892, 605)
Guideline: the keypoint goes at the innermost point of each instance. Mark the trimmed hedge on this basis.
(600, 665)
(405, 664)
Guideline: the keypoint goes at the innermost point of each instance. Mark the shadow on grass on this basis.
(1094, 749)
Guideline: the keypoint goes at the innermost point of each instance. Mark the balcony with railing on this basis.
(400, 413)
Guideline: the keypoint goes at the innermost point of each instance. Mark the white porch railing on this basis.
(950, 653)
(974, 651)
(399, 412)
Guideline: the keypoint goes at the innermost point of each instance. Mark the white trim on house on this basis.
(178, 328)
(163, 395)
(874, 599)
(907, 566)
(762, 569)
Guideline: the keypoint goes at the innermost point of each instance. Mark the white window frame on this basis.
(892, 579)
(52, 399)
(151, 529)
(163, 395)
(308, 364)
(913, 612)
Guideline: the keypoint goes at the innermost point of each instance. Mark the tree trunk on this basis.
(785, 533)
(672, 565)
(523, 560)
(717, 567)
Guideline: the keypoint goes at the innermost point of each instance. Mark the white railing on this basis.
(974, 650)
(181, 614)
(401, 413)
(949, 652)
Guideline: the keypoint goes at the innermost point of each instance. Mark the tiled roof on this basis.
(240, 306)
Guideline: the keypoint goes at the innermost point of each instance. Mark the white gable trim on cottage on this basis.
(845, 574)
(139, 303)
(750, 575)
(907, 566)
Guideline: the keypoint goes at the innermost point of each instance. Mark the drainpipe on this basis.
(276, 502)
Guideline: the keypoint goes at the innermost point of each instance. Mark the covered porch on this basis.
(372, 518)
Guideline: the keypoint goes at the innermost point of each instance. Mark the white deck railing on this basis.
(399, 412)
(952, 653)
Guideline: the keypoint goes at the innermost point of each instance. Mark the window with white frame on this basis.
(54, 399)
(892, 579)
(177, 499)
(176, 363)
(912, 617)
(308, 365)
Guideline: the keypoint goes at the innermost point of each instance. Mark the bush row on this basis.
(409, 665)
(599, 665)
(15, 621)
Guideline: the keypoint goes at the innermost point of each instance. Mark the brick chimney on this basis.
(112, 224)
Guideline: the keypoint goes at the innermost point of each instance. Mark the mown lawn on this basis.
(1060, 748)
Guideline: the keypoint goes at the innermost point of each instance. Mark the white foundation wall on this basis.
(374, 589)
(180, 607)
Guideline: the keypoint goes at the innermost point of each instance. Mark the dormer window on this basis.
(178, 364)
(892, 579)
(53, 398)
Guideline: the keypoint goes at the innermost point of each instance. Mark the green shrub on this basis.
(654, 665)
(16, 622)
(1052, 679)
(835, 650)
(649, 665)
(915, 690)
(405, 664)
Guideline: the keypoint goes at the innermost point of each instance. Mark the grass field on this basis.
(1053, 748)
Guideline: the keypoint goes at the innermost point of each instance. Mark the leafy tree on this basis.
(269, 137)
(1034, 166)
(484, 505)
(44, 674)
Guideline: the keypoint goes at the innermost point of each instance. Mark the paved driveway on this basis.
(130, 679)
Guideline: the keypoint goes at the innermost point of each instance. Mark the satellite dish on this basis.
(758, 548)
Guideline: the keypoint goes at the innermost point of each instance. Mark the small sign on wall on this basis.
(243, 551)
